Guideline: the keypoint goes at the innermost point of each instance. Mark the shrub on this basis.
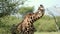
(45, 24)
(6, 23)
(58, 21)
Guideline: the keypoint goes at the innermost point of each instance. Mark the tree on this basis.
(9, 6)
(25, 10)
(54, 19)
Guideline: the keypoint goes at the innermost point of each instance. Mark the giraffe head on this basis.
(41, 10)
(39, 13)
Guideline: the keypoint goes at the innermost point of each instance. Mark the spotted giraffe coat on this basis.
(26, 26)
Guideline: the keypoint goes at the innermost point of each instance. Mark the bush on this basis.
(6, 23)
(45, 24)
(58, 21)
(25, 10)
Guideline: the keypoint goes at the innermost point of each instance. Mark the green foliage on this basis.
(8, 7)
(24, 10)
(6, 24)
(45, 24)
(58, 21)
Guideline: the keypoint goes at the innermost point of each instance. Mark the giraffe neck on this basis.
(38, 14)
(32, 17)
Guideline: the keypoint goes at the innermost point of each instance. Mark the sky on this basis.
(46, 3)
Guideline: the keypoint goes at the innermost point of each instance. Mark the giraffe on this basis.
(26, 26)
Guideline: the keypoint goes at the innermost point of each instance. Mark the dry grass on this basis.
(47, 32)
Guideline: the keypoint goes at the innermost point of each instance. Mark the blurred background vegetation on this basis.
(9, 9)
(24, 10)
